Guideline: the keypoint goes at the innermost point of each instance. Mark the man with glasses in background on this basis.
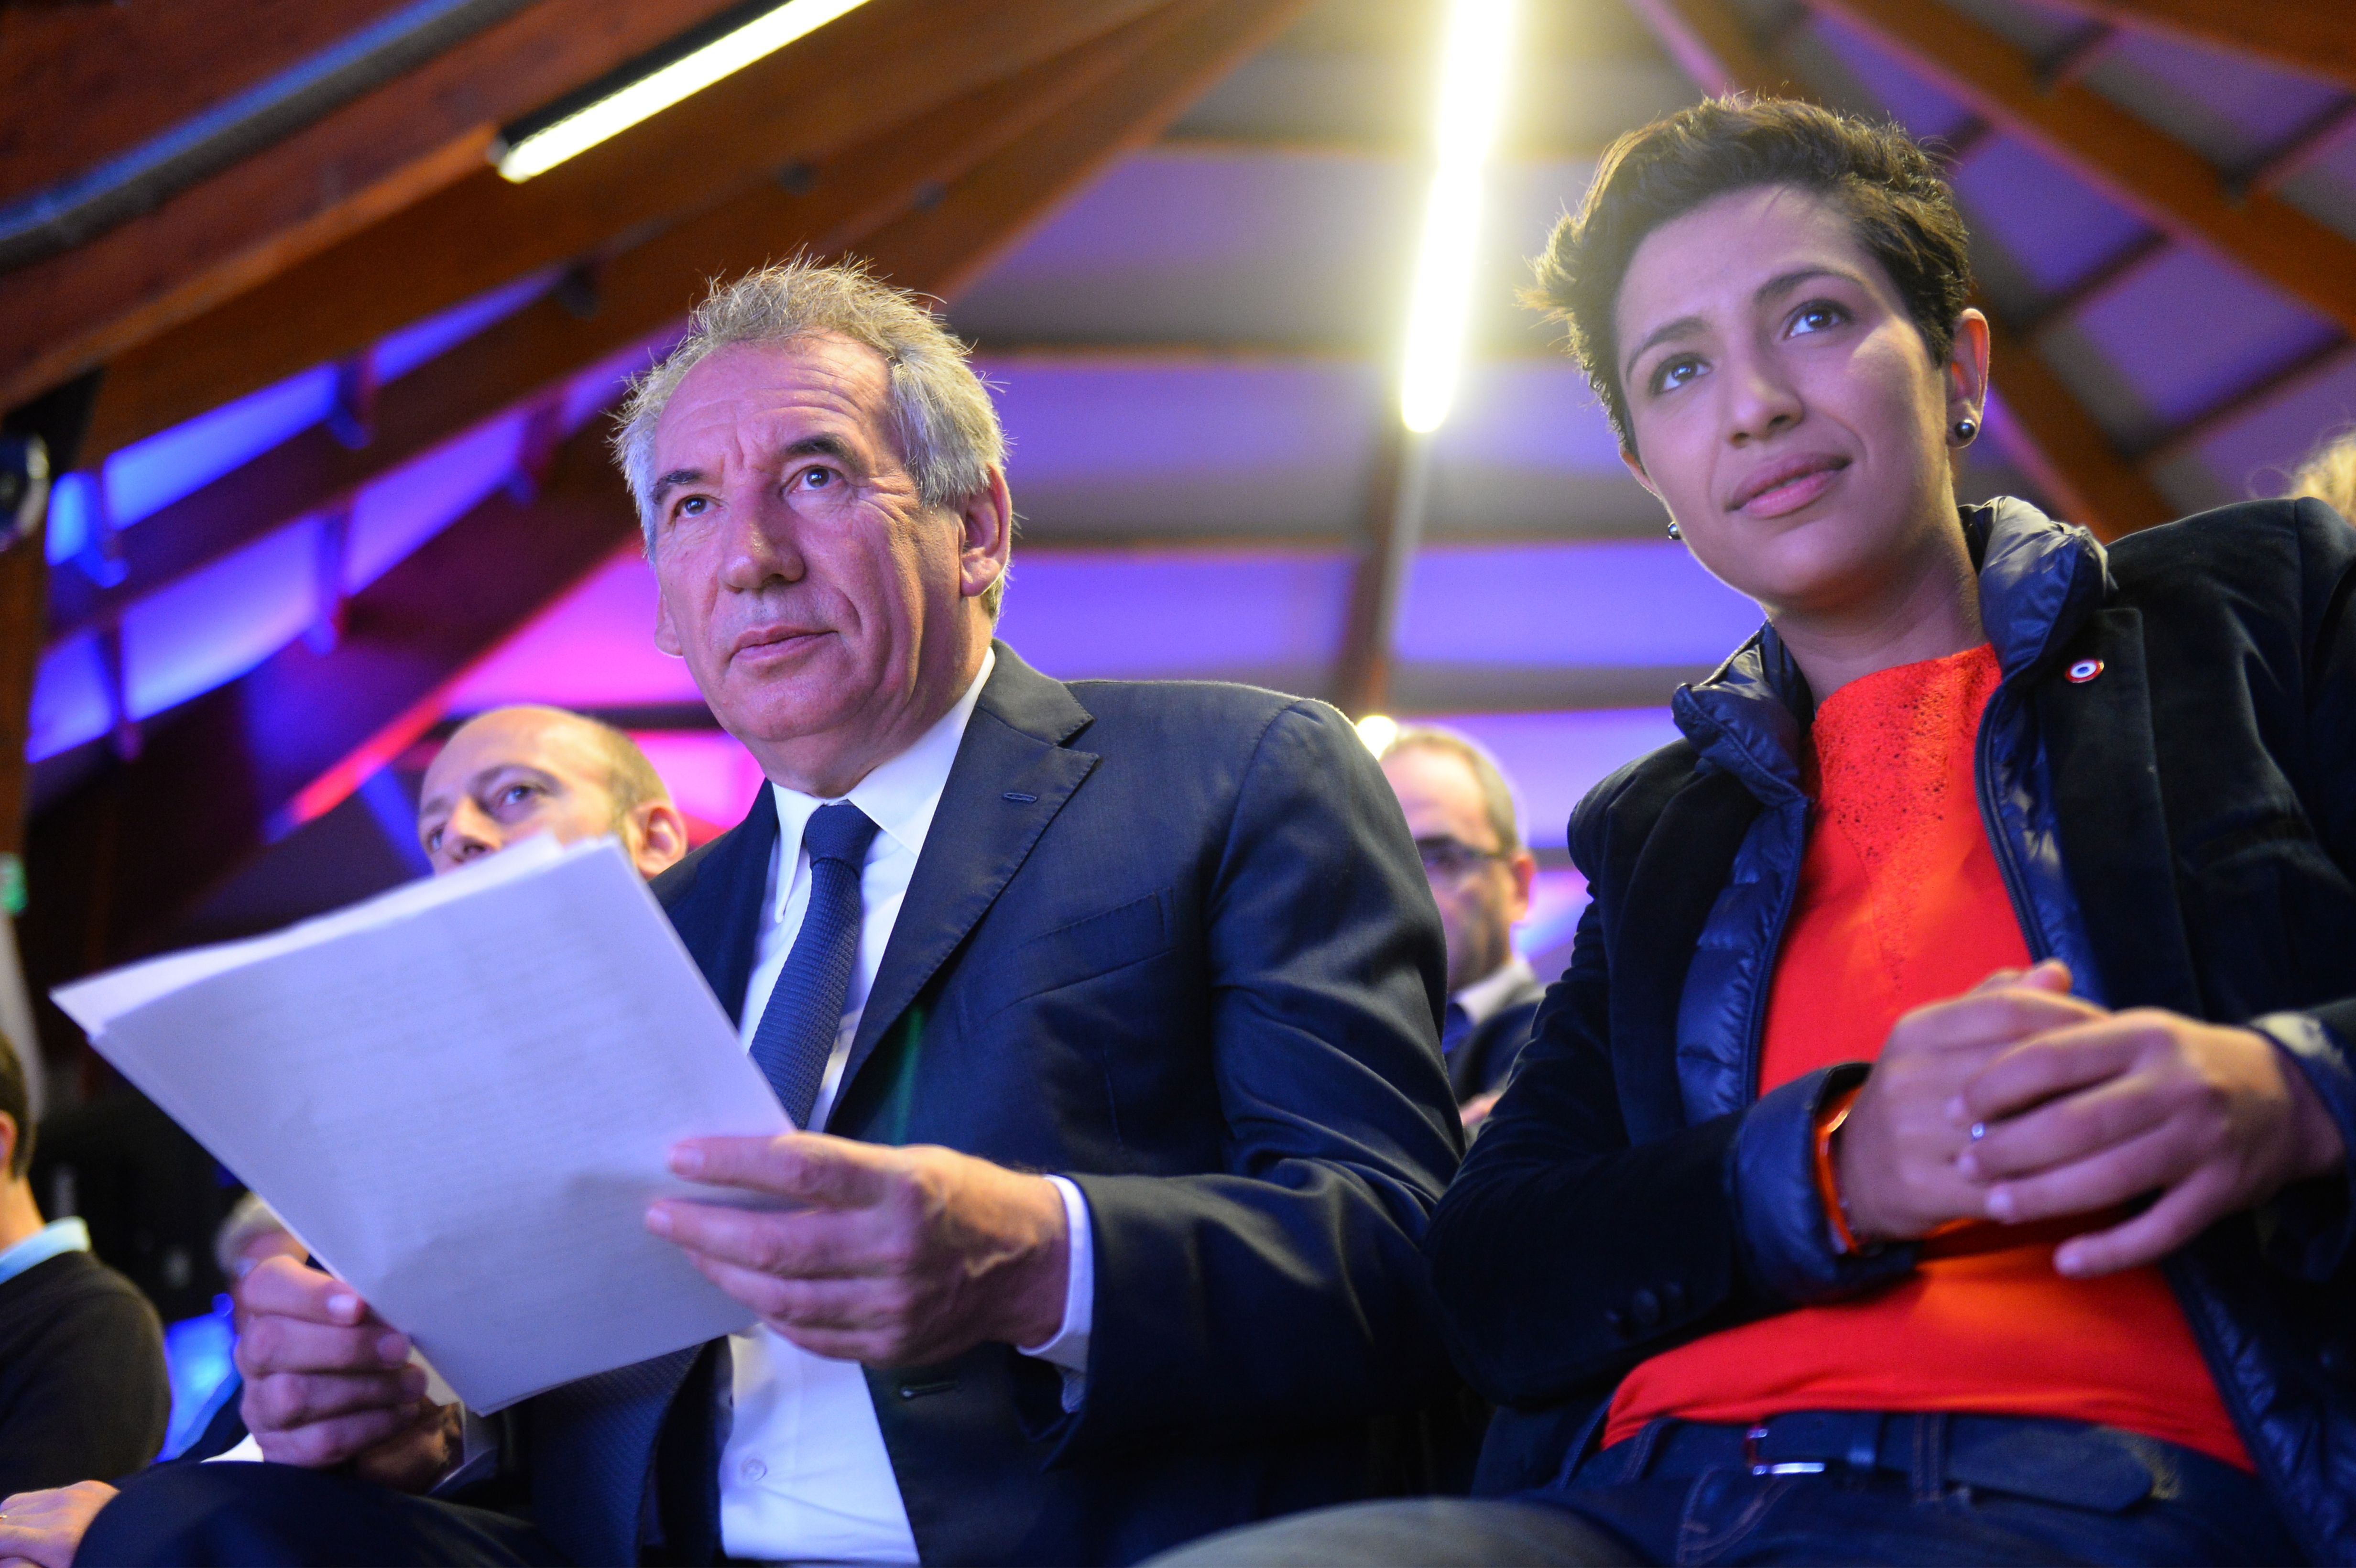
(1460, 807)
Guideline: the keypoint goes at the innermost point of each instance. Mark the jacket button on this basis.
(1615, 1320)
(1645, 1307)
(1674, 1294)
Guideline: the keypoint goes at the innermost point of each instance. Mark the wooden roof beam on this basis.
(2274, 381)
(2294, 152)
(827, 92)
(81, 84)
(2159, 179)
(2096, 281)
(1392, 529)
(2049, 436)
(2312, 38)
(269, 211)
(947, 243)
(642, 295)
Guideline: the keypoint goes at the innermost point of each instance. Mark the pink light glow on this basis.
(712, 778)
(593, 648)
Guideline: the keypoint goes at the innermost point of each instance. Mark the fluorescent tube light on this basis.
(1471, 100)
(542, 149)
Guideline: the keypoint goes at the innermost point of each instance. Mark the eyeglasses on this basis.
(1449, 856)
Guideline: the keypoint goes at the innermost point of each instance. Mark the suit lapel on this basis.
(2101, 753)
(714, 901)
(1012, 775)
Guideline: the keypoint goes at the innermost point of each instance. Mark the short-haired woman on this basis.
(1937, 1148)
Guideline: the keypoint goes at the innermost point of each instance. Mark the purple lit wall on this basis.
(593, 648)
(1614, 603)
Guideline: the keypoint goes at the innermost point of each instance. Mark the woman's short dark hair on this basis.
(1892, 191)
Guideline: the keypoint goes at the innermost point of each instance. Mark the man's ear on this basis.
(657, 836)
(9, 1131)
(986, 536)
(1523, 867)
(667, 637)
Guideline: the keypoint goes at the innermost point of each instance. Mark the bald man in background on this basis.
(503, 776)
(515, 772)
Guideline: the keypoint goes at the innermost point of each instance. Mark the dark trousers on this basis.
(211, 1515)
(1814, 1488)
(1861, 1487)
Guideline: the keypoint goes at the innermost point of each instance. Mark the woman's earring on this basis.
(1675, 532)
(1965, 429)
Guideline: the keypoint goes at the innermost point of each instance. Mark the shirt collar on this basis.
(67, 1235)
(900, 796)
(1482, 997)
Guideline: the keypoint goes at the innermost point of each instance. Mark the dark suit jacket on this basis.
(1486, 1060)
(1174, 942)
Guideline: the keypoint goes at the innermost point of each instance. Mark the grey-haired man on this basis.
(1116, 1004)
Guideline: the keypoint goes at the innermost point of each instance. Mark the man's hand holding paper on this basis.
(328, 1382)
(888, 1256)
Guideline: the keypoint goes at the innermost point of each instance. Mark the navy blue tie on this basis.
(805, 1011)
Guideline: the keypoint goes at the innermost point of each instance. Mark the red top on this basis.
(1900, 903)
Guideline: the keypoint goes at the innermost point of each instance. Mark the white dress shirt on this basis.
(804, 1476)
(1481, 998)
(66, 1235)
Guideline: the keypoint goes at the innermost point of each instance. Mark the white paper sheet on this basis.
(462, 1095)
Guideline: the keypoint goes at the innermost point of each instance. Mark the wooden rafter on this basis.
(642, 293)
(828, 92)
(2294, 152)
(323, 183)
(2096, 281)
(977, 218)
(123, 852)
(1391, 528)
(2277, 380)
(79, 84)
(2313, 37)
(2049, 436)
(2161, 180)
(1712, 44)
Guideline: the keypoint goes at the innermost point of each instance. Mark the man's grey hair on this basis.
(941, 417)
(1496, 794)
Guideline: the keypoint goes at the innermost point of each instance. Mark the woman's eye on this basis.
(1816, 315)
(516, 795)
(1674, 373)
(434, 841)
